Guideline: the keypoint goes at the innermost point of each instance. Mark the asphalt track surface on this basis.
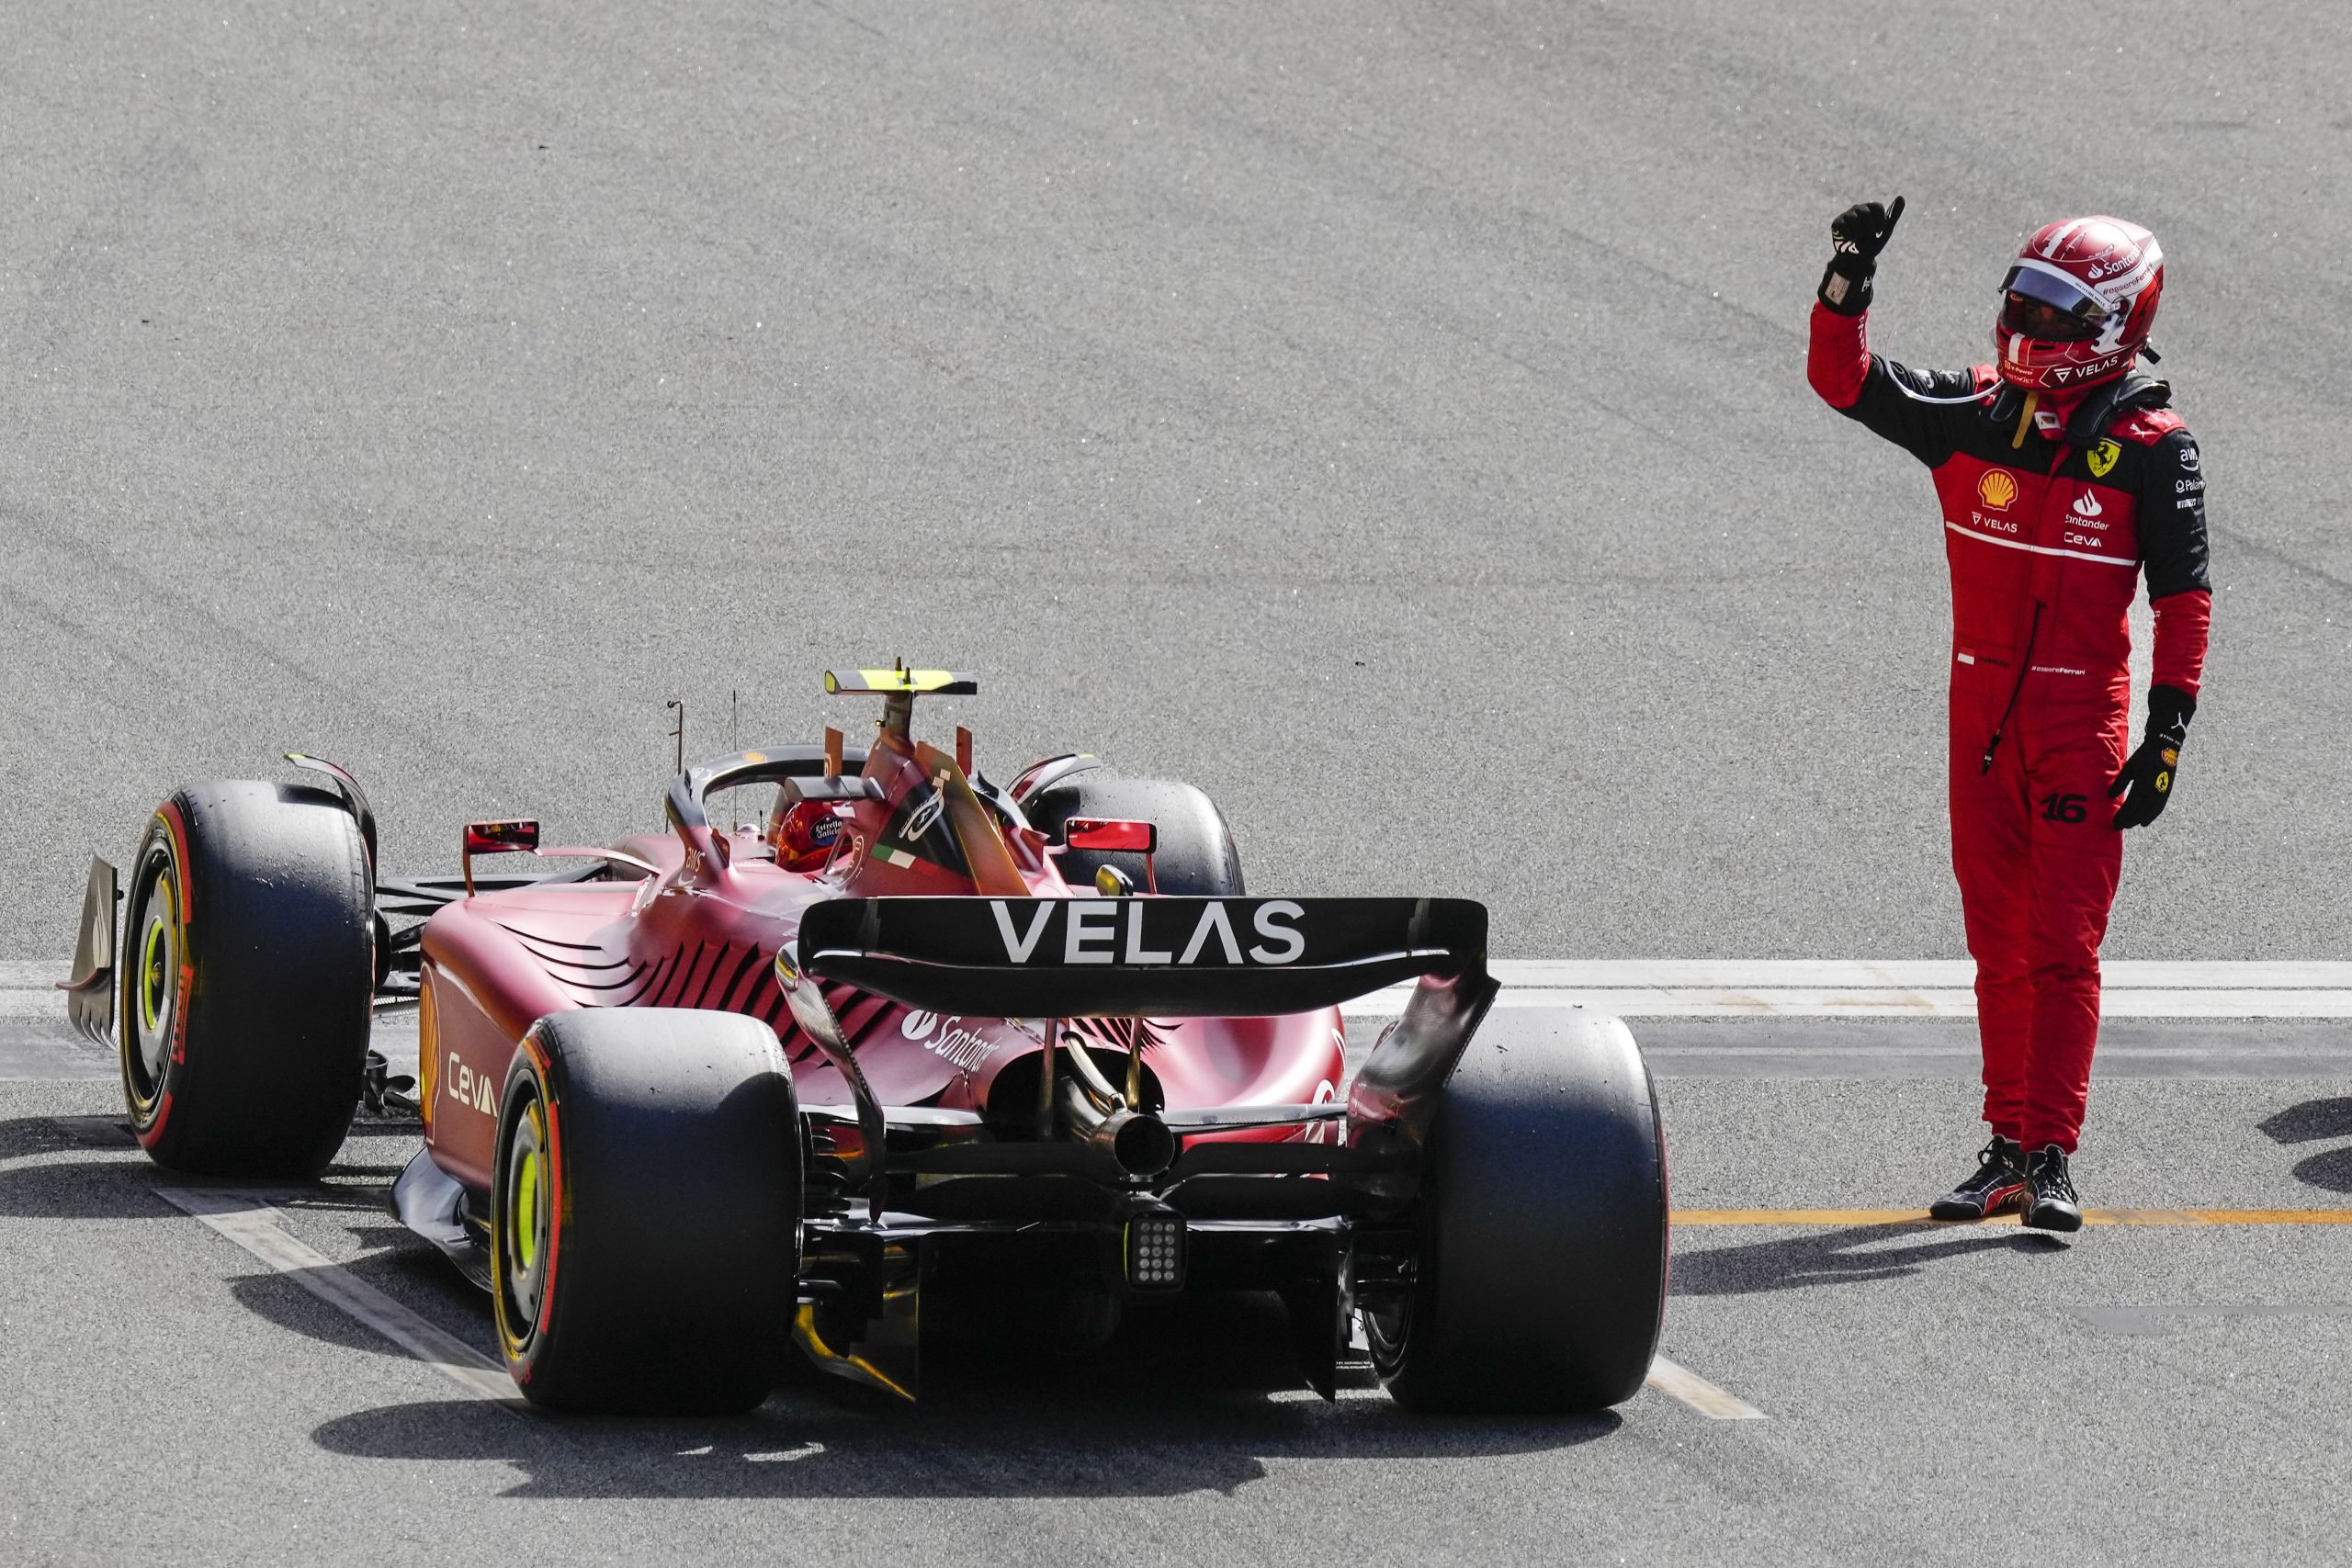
(2154, 1391)
(1391, 418)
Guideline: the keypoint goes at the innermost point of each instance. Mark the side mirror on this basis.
(520, 836)
(1118, 835)
(1110, 833)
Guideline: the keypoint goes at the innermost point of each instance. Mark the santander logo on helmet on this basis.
(2077, 303)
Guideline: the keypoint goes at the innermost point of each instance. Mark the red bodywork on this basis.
(705, 931)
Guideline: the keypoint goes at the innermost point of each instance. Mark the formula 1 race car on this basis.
(918, 1046)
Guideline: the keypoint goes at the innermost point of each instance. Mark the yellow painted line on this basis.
(1701, 1218)
(1677, 1382)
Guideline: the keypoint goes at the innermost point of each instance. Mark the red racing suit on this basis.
(2046, 541)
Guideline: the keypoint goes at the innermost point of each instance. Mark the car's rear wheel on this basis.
(1540, 1262)
(1197, 853)
(645, 1211)
(247, 971)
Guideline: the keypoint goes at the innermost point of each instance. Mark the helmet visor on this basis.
(2046, 303)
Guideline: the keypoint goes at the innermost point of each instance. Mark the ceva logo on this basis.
(462, 1085)
(1997, 488)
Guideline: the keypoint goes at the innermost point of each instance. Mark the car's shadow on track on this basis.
(35, 1185)
(98, 1179)
(395, 1263)
(1845, 1257)
(1192, 1401)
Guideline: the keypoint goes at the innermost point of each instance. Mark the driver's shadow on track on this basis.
(2315, 1121)
(1181, 1405)
(1851, 1256)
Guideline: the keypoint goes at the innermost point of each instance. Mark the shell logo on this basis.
(1997, 488)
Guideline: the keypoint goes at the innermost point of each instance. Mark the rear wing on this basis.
(1125, 957)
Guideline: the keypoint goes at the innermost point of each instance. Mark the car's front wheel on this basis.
(246, 981)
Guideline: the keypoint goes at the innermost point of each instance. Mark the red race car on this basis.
(712, 1093)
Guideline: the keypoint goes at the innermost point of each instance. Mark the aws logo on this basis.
(1997, 487)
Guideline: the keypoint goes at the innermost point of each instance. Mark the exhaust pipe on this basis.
(1137, 1142)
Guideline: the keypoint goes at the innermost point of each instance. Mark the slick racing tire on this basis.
(1541, 1249)
(246, 980)
(1196, 855)
(645, 1211)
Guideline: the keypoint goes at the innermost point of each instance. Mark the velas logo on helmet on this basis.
(1997, 487)
(2076, 304)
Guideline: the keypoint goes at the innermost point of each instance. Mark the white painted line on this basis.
(1904, 988)
(28, 992)
(1906, 973)
(109, 1132)
(1677, 1382)
(1679, 988)
(256, 1226)
(1799, 1002)
(29, 1006)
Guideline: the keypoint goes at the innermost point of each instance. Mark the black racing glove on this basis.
(2148, 772)
(1858, 234)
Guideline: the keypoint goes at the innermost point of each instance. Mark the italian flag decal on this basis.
(893, 854)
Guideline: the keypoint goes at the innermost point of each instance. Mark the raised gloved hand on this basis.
(2148, 773)
(1856, 235)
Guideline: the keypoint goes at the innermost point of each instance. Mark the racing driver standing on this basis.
(2063, 475)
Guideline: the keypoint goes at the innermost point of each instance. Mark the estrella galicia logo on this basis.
(1210, 933)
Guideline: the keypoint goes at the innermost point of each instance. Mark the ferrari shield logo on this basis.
(2102, 459)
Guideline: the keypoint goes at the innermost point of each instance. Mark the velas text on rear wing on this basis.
(1210, 933)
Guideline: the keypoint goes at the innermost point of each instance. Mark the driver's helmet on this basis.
(2077, 303)
(803, 833)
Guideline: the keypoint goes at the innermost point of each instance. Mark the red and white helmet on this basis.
(804, 833)
(2077, 303)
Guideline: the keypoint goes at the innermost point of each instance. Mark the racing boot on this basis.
(2051, 1203)
(1997, 1187)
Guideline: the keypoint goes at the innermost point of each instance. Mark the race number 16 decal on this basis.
(2064, 807)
